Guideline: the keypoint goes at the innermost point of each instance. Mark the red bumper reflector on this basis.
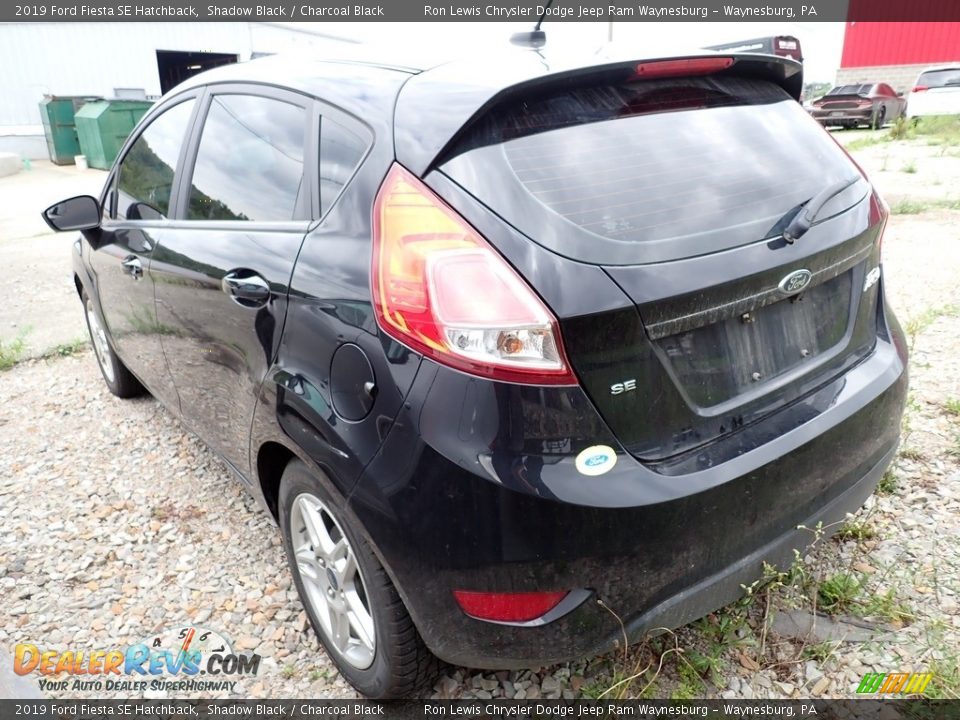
(507, 607)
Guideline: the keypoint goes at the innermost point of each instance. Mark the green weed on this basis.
(838, 592)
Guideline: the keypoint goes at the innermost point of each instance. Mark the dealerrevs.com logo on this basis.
(179, 659)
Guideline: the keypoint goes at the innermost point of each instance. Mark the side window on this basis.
(145, 177)
(340, 152)
(250, 160)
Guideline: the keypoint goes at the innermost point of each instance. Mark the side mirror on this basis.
(77, 213)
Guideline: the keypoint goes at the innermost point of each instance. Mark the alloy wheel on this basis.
(333, 583)
(100, 345)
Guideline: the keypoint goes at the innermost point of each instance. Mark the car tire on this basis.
(119, 380)
(377, 649)
(879, 118)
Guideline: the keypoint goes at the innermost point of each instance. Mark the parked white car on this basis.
(936, 92)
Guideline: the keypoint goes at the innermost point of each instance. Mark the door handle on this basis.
(132, 266)
(246, 288)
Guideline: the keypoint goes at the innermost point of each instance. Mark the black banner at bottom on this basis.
(466, 709)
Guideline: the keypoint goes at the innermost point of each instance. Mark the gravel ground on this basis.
(118, 524)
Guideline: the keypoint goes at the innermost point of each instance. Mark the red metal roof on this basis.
(900, 43)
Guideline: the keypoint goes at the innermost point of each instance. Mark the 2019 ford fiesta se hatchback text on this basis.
(504, 345)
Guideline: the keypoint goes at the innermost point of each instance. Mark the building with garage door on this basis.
(896, 52)
(126, 60)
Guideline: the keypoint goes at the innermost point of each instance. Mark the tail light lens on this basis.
(920, 88)
(442, 290)
(507, 607)
(879, 212)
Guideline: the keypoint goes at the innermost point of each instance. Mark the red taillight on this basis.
(920, 88)
(439, 288)
(879, 212)
(674, 68)
(507, 607)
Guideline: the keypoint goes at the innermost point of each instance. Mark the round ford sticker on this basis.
(596, 460)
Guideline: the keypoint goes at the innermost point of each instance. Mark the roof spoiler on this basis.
(426, 127)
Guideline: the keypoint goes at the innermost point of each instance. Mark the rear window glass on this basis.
(851, 90)
(940, 78)
(651, 170)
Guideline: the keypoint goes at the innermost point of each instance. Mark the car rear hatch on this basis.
(938, 91)
(678, 179)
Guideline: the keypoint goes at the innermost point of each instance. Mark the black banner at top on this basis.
(915, 709)
(483, 10)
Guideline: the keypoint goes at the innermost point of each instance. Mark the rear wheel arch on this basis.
(272, 460)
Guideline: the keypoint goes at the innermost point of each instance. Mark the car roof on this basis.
(431, 95)
(935, 68)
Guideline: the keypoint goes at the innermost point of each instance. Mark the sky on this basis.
(822, 42)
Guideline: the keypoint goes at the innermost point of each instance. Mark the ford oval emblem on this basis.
(795, 282)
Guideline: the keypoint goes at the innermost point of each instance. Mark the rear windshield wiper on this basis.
(803, 220)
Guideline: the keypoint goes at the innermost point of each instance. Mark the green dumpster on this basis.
(103, 126)
(57, 113)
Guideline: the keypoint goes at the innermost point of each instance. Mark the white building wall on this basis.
(38, 59)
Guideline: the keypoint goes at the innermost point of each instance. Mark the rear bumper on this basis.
(444, 512)
(827, 117)
(726, 585)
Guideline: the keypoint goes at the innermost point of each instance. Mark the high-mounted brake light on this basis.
(442, 290)
(675, 68)
(507, 607)
(920, 88)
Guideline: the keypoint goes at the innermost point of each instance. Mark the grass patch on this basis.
(898, 129)
(909, 453)
(865, 142)
(951, 406)
(820, 652)
(838, 592)
(885, 606)
(910, 168)
(945, 684)
(11, 351)
(908, 207)
(887, 484)
(856, 530)
(954, 450)
(67, 349)
(938, 131)
(689, 685)
(916, 325)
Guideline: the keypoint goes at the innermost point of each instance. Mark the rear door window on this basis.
(650, 171)
(249, 162)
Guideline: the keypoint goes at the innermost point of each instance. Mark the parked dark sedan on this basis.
(496, 341)
(870, 104)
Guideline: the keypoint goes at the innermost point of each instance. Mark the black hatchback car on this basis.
(493, 341)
